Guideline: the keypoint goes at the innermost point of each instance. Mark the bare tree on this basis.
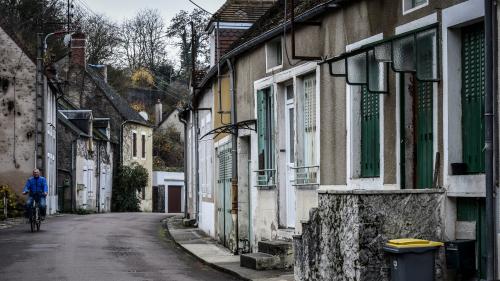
(180, 31)
(143, 42)
(102, 38)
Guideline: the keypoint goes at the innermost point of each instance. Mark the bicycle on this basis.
(34, 216)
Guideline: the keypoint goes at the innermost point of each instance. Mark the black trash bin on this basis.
(412, 259)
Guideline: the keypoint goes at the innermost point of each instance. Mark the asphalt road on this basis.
(117, 246)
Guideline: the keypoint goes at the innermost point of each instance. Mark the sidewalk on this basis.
(206, 249)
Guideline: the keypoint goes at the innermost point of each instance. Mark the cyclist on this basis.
(35, 184)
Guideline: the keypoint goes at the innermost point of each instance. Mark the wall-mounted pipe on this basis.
(234, 155)
(489, 150)
(183, 121)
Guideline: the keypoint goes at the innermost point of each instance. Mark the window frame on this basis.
(143, 145)
(407, 10)
(134, 144)
(272, 61)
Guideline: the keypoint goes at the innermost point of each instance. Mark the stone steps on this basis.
(272, 255)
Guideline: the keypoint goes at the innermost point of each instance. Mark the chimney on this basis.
(78, 41)
(158, 112)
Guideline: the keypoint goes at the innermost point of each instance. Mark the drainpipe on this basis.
(98, 186)
(73, 174)
(489, 150)
(183, 121)
(234, 156)
(197, 164)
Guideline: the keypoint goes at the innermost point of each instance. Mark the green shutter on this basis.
(261, 128)
(424, 134)
(265, 128)
(473, 97)
(473, 209)
(424, 130)
(370, 134)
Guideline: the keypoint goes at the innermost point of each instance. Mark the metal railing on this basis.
(306, 175)
(266, 178)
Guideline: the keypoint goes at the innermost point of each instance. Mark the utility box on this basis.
(461, 258)
(412, 259)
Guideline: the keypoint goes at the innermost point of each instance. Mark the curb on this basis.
(217, 267)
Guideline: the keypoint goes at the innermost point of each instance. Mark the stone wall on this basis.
(344, 236)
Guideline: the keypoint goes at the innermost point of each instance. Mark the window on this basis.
(265, 128)
(143, 146)
(473, 97)
(411, 5)
(134, 145)
(309, 126)
(370, 134)
(274, 54)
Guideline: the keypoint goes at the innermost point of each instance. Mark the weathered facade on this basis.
(374, 106)
(85, 162)
(27, 121)
(129, 134)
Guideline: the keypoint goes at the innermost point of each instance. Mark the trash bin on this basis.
(412, 259)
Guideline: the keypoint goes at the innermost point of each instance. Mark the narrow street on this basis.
(118, 246)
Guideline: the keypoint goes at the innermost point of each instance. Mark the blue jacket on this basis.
(36, 185)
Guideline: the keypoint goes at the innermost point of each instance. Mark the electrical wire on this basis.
(284, 38)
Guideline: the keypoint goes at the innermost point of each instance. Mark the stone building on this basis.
(130, 135)
(85, 160)
(369, 125)
(27, 120)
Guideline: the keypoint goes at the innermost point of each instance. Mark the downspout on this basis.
(489, 150)
(234, 156)
(98, 187)
(183, 121)
(197, 165)
(73, 175)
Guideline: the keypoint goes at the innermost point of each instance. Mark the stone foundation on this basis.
(344, 236)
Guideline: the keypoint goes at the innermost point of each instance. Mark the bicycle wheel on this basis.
(38, 219)
(32, 223)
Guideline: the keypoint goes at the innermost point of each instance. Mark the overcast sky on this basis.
(121, 9)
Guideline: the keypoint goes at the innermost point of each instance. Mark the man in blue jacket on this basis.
(35, 184)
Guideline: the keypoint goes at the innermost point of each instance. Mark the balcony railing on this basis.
(266, 178)
(306, 175)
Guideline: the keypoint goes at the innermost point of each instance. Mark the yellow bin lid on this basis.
(412, 243)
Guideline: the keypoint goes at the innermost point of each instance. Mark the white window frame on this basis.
(273, 81)
(353, 136)
(456, 16)
(271, 53)
(406, 11)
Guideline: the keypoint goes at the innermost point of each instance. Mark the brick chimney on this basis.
(78, 41)
(158, 112)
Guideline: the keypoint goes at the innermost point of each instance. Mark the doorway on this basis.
(174, 198)
(290, 155)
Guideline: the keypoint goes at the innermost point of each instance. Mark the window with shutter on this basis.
(134, 144)
(473, 97)
(370, 136)
(309, 121)
(265, 128)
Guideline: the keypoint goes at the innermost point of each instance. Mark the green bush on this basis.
(128, 182)
(14, 202)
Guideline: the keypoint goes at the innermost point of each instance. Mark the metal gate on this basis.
(224, 220)
(159, 199)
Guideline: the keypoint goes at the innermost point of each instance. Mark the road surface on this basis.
(115, 247)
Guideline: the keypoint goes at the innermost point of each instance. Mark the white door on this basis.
(290, 155)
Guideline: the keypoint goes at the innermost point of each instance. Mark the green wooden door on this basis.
(473, 97)
(370, 136)
(224, 223)
(473, 209)
(424, 134)
(424, 115)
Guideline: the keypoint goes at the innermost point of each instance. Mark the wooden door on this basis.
(174, 198)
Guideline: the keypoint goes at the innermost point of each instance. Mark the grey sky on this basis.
(121, 9)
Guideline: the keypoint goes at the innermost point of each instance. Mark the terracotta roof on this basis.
(241, 11)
